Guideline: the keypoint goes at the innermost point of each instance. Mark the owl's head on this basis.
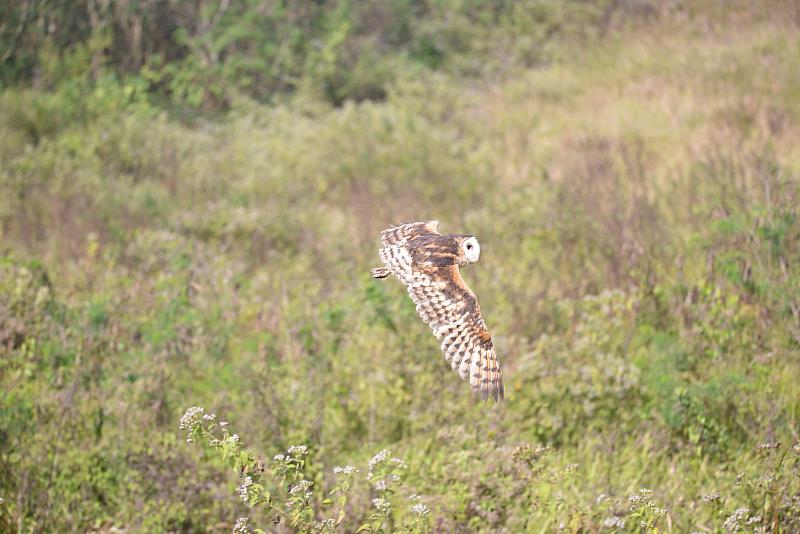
(471, 249)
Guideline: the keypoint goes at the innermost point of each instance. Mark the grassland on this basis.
(636, 198)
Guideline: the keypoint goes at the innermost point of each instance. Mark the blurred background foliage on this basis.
(190, 200)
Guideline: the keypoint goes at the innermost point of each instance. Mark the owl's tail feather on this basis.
(379, 272)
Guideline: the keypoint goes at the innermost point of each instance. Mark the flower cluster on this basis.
(377, 459)
(242, 526)
(420, 510)
(346, 470)
(194, 420)
(642, 497)
(385, 471)
(191, 418)
(382, 505)
(644, 508)
(244, 489)
(298, 450)
(302, 488)
(738, 519)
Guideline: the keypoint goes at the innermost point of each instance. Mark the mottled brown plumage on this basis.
(427, 263)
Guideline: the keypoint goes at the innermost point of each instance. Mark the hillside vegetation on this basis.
(191, 195)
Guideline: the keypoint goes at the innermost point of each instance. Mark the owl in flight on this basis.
(427, 263)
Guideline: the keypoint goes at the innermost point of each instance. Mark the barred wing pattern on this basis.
(446, 304)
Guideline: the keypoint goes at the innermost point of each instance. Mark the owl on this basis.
(427, 263)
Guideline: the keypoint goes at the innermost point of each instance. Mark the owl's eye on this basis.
(469, 247)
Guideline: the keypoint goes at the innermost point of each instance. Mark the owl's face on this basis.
(471, 249)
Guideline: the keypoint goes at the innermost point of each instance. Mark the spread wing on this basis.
(448, 306)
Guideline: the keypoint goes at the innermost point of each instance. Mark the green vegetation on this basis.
(190, 200)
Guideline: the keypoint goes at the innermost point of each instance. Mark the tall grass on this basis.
(637, 204)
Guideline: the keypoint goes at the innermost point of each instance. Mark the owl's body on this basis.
(428, 265)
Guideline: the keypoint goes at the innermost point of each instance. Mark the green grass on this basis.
(636, 198)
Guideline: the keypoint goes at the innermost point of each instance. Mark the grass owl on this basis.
(427, 263)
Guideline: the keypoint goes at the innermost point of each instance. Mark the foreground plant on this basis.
(645, 510)
(281, 491)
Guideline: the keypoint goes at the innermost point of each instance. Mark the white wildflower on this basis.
(382, 505)
(735, 520)
(753, 520)
(346, 470)
(209, 417)
(301, 489)
(298, 450)
(378, 458)
(244, 489)
(191, 417)
(643, 497)
(420, 510)
(279, 457)
(242, 526)
(381, 485)
(303, 485)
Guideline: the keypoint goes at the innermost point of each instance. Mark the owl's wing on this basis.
(394, 253)
(400, 235)
(450, 308)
